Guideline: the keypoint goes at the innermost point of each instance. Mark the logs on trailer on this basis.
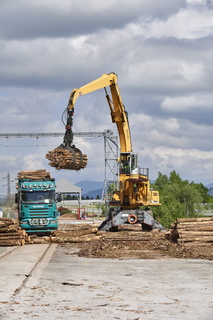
(34, 174)
(65, 159)
(193, 230)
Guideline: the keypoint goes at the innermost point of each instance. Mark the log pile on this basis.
(34, 174)
(192, 231)
(81, 235)
(65, 159)
(34, 239)
(11, 233)
(135, 236)
(92, 234)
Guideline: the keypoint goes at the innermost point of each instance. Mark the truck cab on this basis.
(37, 209)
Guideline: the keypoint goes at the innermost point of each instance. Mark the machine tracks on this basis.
(18, 266)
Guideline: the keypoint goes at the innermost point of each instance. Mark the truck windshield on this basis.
(38, 197)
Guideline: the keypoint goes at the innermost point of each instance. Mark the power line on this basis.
(110, 148)
(107, 133)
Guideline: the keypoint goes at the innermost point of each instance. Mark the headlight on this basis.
(54, 221)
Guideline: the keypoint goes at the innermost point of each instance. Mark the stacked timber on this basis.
(82, 235)
(34, 174)
(135, 236)
(34, 239)
(65, 159)
(11, 233)
(193, 230)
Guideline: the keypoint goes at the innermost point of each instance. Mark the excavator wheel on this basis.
(110, 217)
(146, 227)
(114, 229)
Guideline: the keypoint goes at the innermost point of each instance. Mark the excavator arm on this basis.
(117, 109)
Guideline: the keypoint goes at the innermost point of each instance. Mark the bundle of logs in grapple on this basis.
(65, 159)
(11, 233)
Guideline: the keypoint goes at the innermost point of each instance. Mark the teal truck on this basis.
(36, 199)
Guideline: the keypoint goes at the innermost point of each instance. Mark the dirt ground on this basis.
(130, 242)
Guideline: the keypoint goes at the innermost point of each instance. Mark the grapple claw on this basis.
(67, 156)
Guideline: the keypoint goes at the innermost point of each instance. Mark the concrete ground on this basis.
(64, 286)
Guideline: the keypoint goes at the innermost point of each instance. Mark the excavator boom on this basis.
(117, 108)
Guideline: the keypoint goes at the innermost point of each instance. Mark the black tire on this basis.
(114, 229)
(146, 227)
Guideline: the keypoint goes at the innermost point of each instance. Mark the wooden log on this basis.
(78, 232)
(202, 219)
(53, 239)
(8, 221)
(198, 244)
(9, 243)
(127, 239)
(194, 225)
(14, 237)
(65, 159)
(10, 224)
(204, 228)
(9, 228)
(39, 240)
(10, 235)
(196, 238)
(195, 233)
(34, 174)
(86, 238)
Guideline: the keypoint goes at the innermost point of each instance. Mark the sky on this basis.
(162, 52)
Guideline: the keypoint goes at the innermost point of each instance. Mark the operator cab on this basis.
(128, 163)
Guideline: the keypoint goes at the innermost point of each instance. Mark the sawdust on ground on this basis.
(130, 242)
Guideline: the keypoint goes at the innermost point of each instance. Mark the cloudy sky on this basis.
(162, 52)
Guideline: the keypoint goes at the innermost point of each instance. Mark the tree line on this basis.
(178, 198)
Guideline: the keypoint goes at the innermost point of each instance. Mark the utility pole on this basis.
(7, 184)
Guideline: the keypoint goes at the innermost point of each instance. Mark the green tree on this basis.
(178, 198)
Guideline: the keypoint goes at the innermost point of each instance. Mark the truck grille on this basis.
(38, 213)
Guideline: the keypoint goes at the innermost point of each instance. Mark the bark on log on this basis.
(193, 230)
(34, 174)
(196, 238)
(198, 244)
(13, 237)
(9, 229)
(11, 233)
(195, 233)
(194, 223)
(182, 220)
(76, 233)
(9, 243)
(80, 239)
(196, 228)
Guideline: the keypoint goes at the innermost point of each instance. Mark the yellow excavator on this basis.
(132, 202)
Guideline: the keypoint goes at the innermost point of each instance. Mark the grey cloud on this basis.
(27, 20)
(48, 48)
